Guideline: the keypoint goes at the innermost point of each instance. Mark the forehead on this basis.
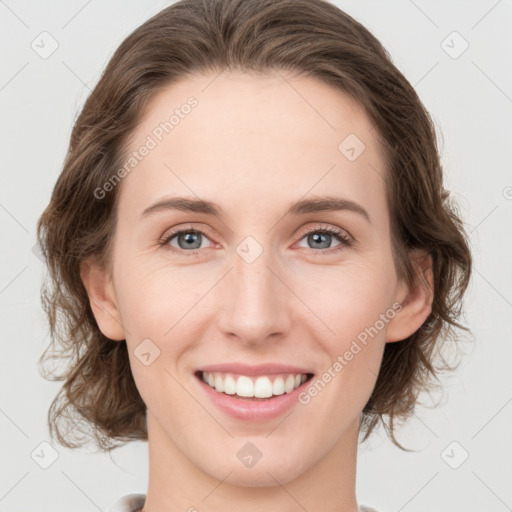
(253, 140)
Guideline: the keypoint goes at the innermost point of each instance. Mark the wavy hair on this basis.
(310, 37)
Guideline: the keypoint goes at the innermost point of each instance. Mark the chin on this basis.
(277, 467)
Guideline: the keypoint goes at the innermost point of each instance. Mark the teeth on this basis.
(245, 387)
(219, 383)
(278, 386)
(248, 387)
(229, 385)
(289, 384)
(262, 387)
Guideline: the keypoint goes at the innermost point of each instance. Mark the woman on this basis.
(252, 256)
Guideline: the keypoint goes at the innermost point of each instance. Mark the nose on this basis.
(255, 303)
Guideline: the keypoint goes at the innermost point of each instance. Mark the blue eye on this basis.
(190, 240)
(317, 236)
(187, 239)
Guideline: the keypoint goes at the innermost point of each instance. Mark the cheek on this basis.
(154, 299)
(157, 306)
(335, 302)
(345, 299)
(163, 312)
(349, 303)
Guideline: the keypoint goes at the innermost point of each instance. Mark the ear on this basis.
(416, 300)
(102, 298)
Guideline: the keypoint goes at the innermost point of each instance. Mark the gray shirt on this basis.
(135, 502)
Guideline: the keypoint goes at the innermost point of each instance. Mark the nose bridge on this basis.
(256, 306)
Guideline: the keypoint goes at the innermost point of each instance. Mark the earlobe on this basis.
(416, 300)
(102, 299)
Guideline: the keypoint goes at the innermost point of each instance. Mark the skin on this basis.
(254, 145)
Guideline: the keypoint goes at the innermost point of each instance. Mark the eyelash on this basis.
(344, 240)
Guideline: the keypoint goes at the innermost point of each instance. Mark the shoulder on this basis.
(128, 503)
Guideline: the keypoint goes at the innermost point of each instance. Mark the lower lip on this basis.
(253, 410)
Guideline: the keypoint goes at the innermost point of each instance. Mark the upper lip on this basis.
(260, 369)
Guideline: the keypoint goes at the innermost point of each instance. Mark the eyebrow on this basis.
(317, 204)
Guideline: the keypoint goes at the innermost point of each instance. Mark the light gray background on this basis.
(469, 98)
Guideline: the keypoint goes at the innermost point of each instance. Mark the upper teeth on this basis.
(260, 387)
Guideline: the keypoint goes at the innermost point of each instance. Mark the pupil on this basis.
(318, 236)
(189, 239)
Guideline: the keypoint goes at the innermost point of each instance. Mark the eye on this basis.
(321, 238)
(186, 239)
(190, 240)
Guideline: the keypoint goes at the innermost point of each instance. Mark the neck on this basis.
(176, 484)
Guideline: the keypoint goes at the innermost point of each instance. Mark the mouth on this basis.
(256, 388)
(253, 393)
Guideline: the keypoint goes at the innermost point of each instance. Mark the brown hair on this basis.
(313, 38)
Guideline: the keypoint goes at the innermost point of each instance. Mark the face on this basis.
(289, 269)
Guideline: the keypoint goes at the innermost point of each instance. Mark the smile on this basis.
(254, 393)
(260, 387)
